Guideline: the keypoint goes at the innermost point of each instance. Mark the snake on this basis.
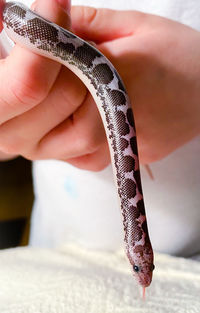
(31, 31)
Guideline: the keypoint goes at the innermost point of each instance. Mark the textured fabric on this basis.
(79, 281)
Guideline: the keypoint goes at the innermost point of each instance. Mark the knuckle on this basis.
(138, 15)
(89, 14)
(98, 167)
(9, 147)
(89, 164)
(87, 144)
(13, 145)
(24, 94)
(64, 106)
(31, 155)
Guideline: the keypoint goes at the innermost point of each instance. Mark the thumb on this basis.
(27, 78)
(104, 24)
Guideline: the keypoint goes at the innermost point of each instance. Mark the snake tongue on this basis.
(143, 293)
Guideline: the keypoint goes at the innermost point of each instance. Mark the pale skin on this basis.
(46, 112)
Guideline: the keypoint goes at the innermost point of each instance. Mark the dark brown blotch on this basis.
(140, 206)
(39, 29)
(123, 144)
(121, 125)
(133, 144)
(132, 229)
(139, 249)
(16, 10)
(116, 158)
(138, 180)
(116, 97)
(103, 73)
(120, 82)
(144, 227)
(130, 117)
(127, 164)
(128, 188)
(85, 55)
(148, 244)
(132, 212)
(65, 49)
(121, 85)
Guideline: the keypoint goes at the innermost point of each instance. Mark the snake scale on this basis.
(43, 37)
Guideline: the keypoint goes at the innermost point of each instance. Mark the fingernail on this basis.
(65, 4)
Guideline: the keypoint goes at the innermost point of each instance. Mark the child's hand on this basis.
(158, 60)
(37, 99)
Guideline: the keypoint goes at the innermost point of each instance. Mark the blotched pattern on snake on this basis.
(45, 38)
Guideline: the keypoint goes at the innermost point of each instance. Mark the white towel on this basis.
(80, 281)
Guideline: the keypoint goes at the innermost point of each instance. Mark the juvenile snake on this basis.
(35, 33)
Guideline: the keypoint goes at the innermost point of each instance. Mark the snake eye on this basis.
(136, 268)
(152, 267)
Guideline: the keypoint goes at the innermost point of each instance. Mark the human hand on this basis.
(153, 79)
(45, 110)
(158, 61)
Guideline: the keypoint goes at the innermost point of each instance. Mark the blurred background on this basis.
(16, 199)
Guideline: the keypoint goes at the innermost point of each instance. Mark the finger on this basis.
(20, 89)
(57, 11)
(104, 24)
(82, 134)
(22, 133)
(95, 162)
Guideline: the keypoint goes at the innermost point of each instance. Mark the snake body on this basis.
(35, 33)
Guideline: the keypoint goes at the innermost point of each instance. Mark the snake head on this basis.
(141, 259)
(143, 274)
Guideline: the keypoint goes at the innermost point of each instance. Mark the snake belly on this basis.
(35, 33)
